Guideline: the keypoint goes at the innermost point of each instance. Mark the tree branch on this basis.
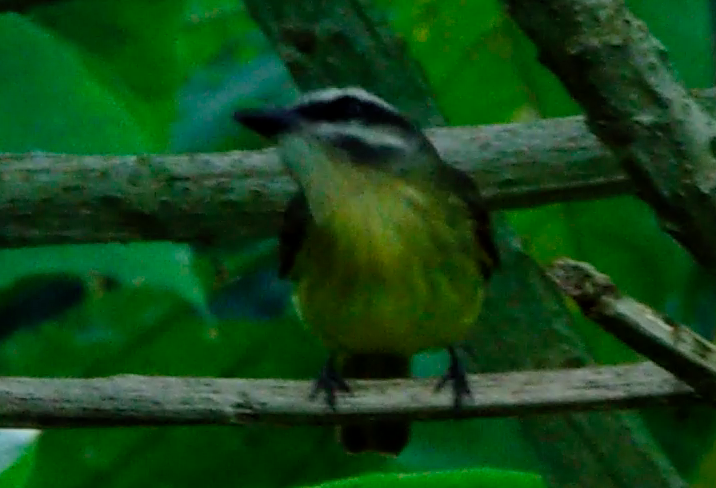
(53, 198)
(674, 347)
(620, 74)
(130, 400)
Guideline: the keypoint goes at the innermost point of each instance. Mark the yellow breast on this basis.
(391, 269)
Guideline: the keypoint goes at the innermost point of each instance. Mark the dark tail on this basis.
(385, 437)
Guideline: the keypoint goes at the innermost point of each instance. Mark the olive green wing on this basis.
(296, 219)
(462, 185)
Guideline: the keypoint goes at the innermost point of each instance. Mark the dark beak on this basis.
(268, 123)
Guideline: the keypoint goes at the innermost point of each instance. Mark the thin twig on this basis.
(131, 400)
(674, 347)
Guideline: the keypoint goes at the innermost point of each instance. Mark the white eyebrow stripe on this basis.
(372, 135)
(328, 94)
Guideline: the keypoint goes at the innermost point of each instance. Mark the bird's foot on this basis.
(329, 381)
(458, 377)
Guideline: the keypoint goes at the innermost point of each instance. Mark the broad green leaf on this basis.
(51, 102)
(483, 478)
(131, 46)
(705, 476)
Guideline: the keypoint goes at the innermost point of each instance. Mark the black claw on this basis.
(458, 377)
(329, 381)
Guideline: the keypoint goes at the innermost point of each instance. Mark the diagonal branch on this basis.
(131, 400)
(620, 74)
(674, 347)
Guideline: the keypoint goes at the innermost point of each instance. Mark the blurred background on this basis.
(137, 76)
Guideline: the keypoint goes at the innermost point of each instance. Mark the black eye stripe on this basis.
(348, 108)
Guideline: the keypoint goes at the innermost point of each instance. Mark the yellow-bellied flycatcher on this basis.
(389, 247)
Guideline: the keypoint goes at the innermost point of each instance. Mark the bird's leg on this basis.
(329, 381)
(457, 376)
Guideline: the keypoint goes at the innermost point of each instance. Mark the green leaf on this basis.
(50, 102)
(131, 46)
(684, 27)
(483, 478)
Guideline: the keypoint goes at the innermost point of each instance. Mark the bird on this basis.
(388, 247)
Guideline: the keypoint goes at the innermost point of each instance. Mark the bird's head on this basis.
(344, 126)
